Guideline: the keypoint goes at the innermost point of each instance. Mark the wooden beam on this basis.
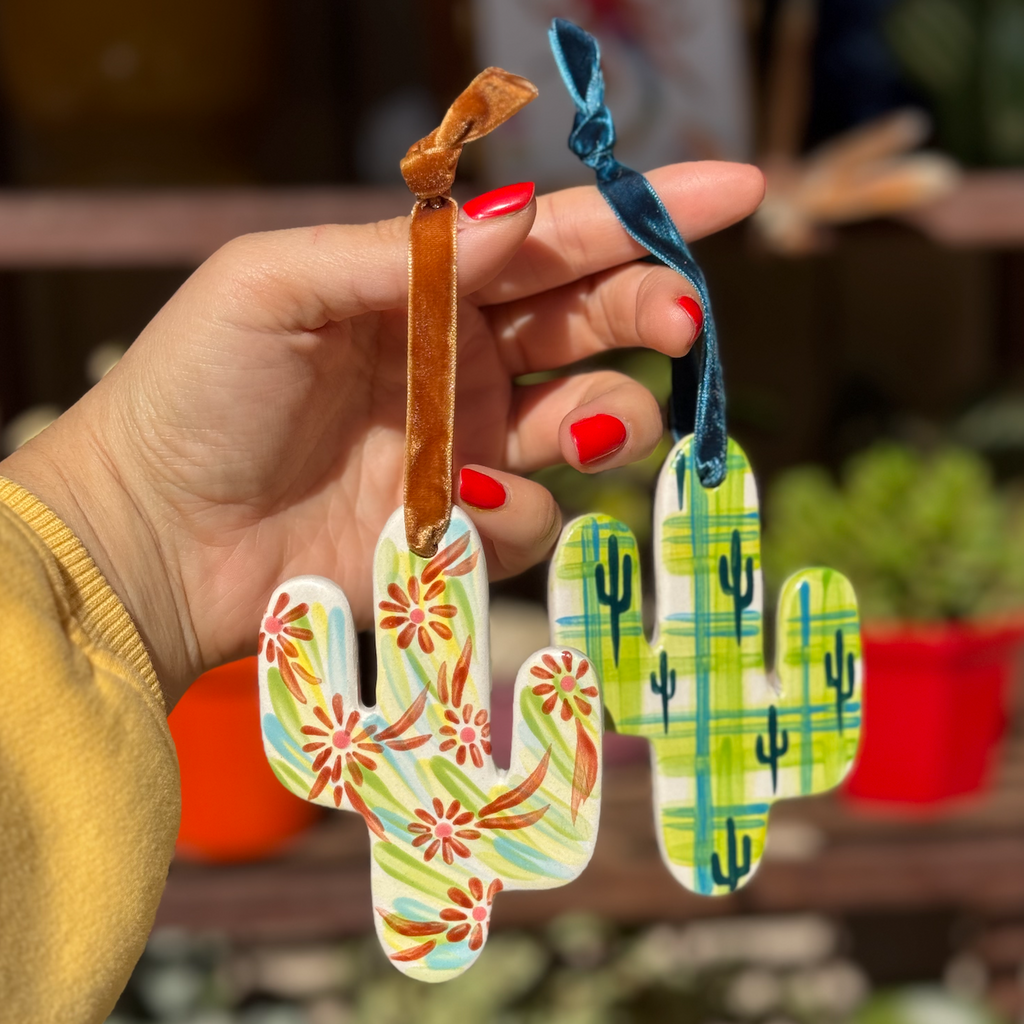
(168, 228)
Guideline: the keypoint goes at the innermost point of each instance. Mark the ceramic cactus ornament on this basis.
(448, 830)
(728, 739)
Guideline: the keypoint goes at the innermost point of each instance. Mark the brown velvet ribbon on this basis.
(429, 171)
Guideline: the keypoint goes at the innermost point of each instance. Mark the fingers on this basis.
(638, 305)
(594, 421)
(518, 520)
(576, 234)
(304, 278)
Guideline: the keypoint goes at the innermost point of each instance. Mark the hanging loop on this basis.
(642, 213)
(429, 171)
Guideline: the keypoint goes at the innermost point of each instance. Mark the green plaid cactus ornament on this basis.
(727, 738)
(448, 830)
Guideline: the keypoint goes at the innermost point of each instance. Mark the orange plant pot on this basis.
(232, 806)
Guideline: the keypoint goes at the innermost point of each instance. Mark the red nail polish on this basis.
(480, 490)
(597, 437)
(692, 309)
(500, 202)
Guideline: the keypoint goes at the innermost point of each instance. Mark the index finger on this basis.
(576, 234)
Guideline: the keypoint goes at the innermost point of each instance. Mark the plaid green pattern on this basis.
(728, 740)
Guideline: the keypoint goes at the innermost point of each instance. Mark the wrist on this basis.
(75, 473)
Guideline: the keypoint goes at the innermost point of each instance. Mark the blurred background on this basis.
(872, 326)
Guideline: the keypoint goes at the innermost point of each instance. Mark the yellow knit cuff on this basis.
(91, 601)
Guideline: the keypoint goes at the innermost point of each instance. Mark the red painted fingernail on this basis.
(500, 202)
(597, 437)
(480, 490)
(692, 309)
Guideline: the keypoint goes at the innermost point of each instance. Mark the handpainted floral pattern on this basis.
(448, 829)
(446, 832)
(278, 637)
(475, 912)
(562, 682)
(416, 610)
(351, 746)
(468, 918)
(467, 729)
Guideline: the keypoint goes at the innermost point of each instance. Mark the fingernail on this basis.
(597, 437)
(480, 490)
(500, 202)
(692, 309)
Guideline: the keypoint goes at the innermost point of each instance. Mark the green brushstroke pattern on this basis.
(730, 741)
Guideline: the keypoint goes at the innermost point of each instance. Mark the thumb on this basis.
(303, 278)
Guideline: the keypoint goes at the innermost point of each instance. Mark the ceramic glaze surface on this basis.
(448, 829)
(728, 740)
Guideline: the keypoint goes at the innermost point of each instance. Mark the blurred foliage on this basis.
(919, 1005)
(579, 969)
(968, 57)
(624, 493)
(923, 537)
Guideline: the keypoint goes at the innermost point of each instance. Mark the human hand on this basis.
(255, 430)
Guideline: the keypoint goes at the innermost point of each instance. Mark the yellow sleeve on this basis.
(89, 795)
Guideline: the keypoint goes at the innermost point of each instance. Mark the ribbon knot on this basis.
(429, 171)
(642, 213)
(592, 140)
(593, 136)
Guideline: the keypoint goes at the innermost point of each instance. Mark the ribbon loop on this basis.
(487, 102)
(429, 171)
(593, 133)
(642, 213)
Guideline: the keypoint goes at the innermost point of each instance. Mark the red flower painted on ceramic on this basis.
(350, 745)
(467, 732)
(470, 734)
(277, 629)
(475, 914)
(444, 832)
(469, 917)
(412, 612)
(279, 626)
(562, 683)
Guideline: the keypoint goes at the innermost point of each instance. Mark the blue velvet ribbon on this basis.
(642, 213)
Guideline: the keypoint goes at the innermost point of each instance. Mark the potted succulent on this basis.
(936, 554)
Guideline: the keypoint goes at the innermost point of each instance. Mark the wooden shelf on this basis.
(985, 212)
(168, 228)
(183, 227)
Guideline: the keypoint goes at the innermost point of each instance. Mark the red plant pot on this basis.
(935, 710)
(232, 806)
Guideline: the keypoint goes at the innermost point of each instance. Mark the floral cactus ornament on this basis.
(728, 740)
(448, 829)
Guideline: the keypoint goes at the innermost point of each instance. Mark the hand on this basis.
(255, 429)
